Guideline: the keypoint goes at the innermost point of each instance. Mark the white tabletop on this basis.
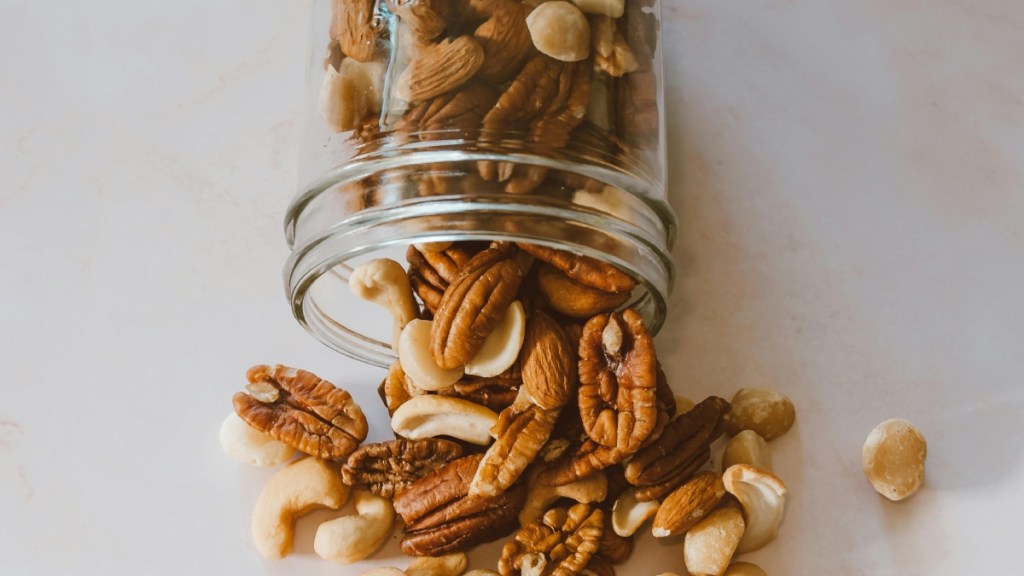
(849, 178)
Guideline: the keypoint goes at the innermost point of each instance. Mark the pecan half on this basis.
(439, 68)
(587, 459)
(506, 42)
(583, 269)
(396, 389)
(549, 371)
(614, 548)
(495, 392)
(561, 543)
(682, 449)
(302, 410)
(612, 54)
(431, 272)
(440, 517)
(618, 376)
(520, 433)
(353, 27)
(570, 298)
(385, 468)
(461, 110)
(474, 303)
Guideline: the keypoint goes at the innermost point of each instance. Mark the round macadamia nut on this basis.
(893, 458)
(767, 412)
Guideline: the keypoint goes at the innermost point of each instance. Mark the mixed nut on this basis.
(512, 420)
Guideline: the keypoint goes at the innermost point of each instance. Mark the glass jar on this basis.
(465, 120)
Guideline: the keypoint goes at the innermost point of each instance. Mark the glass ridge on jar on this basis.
(469, 120)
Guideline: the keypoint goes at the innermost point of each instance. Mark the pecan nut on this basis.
(386, 468)
(549, 371)
(302, 410)
(439, 68)
(396, 389)
(683, 448)
(460, 110)
(612, 53)
(561, 543)
(587, 459)
(570, 298)
(618, 377)
(440, 516)
(473, 305)
(495, 392)
(352, 26)
(583, 269)
(614, 548)
(430, 273)
(521, 433)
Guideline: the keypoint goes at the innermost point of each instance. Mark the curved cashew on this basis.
(247, 444)
(540, 497)
(628, 514)
(352, 538)
(763, 498)
(417, 361)
(430, 415)
(501, 347)
(447, 565)
(296, 489)
(385, 283)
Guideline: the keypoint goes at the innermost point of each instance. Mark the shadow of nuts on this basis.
(295, 490)
(350, 539)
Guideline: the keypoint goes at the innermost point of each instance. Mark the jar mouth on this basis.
(332, 228)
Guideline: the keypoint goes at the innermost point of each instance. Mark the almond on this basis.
(440, 68)
(683, 508)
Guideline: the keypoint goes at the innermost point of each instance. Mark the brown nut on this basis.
(549, 363)
(561, 543)
(570, 298)
(709, 546)
(352, 25)
(893, 458)
(396, 388)
(688, 504)
(497, 392)
(767, 412)
(585, 270)
(439, 68)
(520, 433)
(302, 410)
(540, 497)
(506, 42)
(560, 30)
(618, 377)
(385, 468)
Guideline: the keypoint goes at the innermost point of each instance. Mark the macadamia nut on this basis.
(767, 412)
(560, 30)
(709, 546)
(893, 458)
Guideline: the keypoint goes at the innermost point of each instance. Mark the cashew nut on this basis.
(295, 490)
(351, 91)
(744, 569)
(560, 30)
(613, 8)
(747, 447)
(247, 444)
(501, 347)
(385, 283)
(447, 565)
(893, 458)
(431, 415)
(540, 497)
(350, 539)
(628, 514)
(763, 498)
(417, 361)
(711, 543)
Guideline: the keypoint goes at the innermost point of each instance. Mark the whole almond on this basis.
(548, 363)
(440, 68)
(683, 508)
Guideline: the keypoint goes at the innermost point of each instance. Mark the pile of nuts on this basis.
(541, 75)
(515, 417)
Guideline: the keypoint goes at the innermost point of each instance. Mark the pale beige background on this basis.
(849, 178)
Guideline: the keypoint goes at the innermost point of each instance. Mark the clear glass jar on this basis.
(453, 120)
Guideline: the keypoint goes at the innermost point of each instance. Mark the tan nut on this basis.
(417, 361)
(350, 92)
(540, 497)
(432, 246)
(430, 415)
(385, 283)
(295, 490)
(560, 30)
(501, 347)
(384, 571)
(765, 411)
(247, 444)
(613, 8)
(688, 504)
(481, 572)
(747, 447)
(893, 458)
(350, 539)
(629, 514)
(710, 545)
(447, 565)
(763, 498)
(744, 569)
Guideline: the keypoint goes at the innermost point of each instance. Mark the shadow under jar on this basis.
(435, 121)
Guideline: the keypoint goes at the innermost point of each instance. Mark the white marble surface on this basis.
(849, 178)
